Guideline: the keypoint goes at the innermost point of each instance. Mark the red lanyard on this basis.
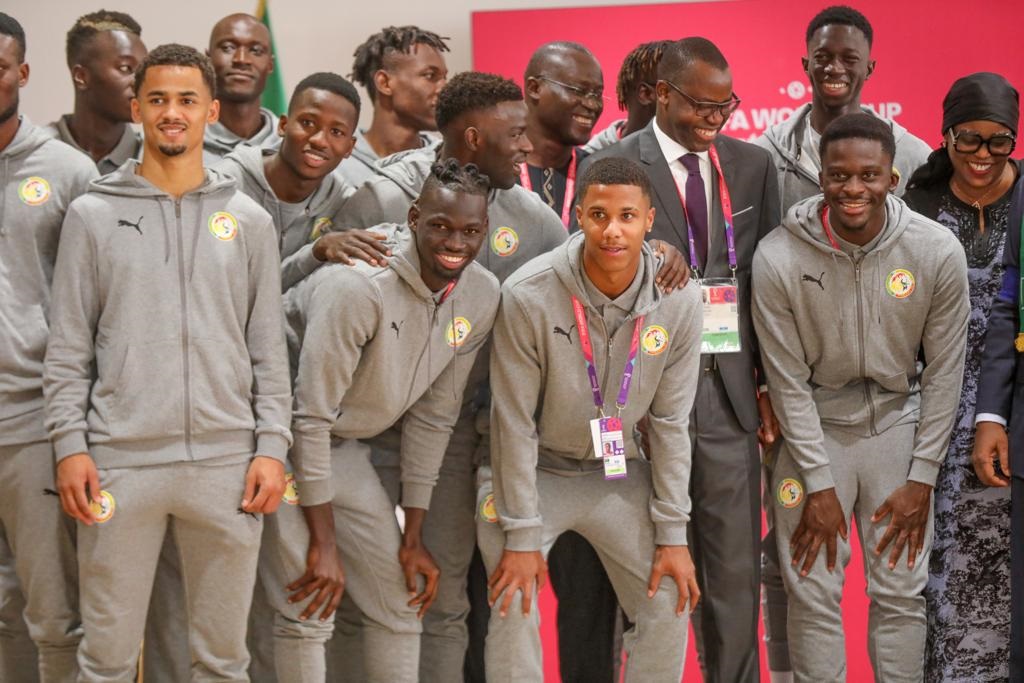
(828, 230)
(723, 196)
(588, 358)
(447, 290)
(570, 185)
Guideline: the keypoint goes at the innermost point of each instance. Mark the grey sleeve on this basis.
(788, 375)
(341, 316)
(944, 343)
(378, 201)
(70, 351)
(668, 427)
(298, 266)
(516, 380)
(428, 424)
(268, 351)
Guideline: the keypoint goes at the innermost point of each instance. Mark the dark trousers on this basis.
(1017, 580)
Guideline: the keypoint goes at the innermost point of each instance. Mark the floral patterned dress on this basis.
(968, 592)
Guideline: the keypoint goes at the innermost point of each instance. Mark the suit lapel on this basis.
(666, 194)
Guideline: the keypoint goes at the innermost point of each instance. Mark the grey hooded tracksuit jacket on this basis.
(370, 347)
(128, 147)
(167, 363)
(218, 141)
(362, 165)
(546, 477)
(606, 138)
(843, 334)
(521, 227)
(39, 178)
(784, 142)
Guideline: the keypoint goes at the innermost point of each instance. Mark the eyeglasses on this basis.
(999, 145)
(706, 109)
(595, 95)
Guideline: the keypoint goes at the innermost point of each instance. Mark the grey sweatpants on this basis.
(218, 546)
(866, 471)
(614, 517)
(449, 533)
(38, 572)
(368, 541)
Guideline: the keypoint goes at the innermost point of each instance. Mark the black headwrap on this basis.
(982, 96)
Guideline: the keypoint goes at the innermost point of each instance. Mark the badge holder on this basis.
(721, 332)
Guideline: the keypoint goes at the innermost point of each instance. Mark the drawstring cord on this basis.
(195, 242)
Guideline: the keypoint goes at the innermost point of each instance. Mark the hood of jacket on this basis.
(27, 138)
(566, 261)
(804, 221)
(250, 160)
(126, 182)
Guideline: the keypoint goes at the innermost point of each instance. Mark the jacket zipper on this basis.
(419, 360)
(861, 344)
(187, 398)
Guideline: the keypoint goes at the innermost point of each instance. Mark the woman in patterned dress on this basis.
(966, 186)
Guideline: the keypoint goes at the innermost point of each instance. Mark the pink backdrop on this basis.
(921, 47)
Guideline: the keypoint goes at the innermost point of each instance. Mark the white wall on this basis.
(311, 35)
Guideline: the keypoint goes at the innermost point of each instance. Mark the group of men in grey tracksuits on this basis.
(224, 409)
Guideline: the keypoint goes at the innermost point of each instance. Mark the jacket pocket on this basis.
(147, 400)
(221, 386)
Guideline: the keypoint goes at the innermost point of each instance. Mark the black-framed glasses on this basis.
(999, 145)
(706, 109)
(582, 93)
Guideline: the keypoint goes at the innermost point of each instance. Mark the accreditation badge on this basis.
(606, 433)
(721, 333)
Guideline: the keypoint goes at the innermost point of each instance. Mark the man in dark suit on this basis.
(687, 159)
(998, 454)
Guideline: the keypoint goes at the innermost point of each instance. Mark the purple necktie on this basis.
(696, 207)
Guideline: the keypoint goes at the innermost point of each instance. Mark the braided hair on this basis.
(372, 54)
(639, 66)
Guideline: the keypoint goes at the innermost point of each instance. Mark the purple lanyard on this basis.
(723, 195)
(588, 358)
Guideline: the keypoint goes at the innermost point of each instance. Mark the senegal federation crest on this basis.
(791, 493)
(34, 191)
(291, 489)
(654, 340)
(103, 510)
(488, 511)
(223, 226)
(900, 283)
(320, 226)
(504, 241)
(457, 332)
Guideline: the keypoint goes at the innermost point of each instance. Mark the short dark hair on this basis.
(331, 82)
(173, 54)
(614, 171)
(451, 175)
(861, 126)
(681, 54)
(371, 55)
(540, 56)
(840, 15)
(473, 91)
(639, 66)
(90, 25)
(9, 26)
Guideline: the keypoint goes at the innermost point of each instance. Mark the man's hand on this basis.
(324, 575)
(525, 571)
(264, 485)
(343, 246)
(909, 506)
(78, 483)
(991, 445)
(674, 561)
(674, 272)
(768, 432)
(821, 520)
(416, 560)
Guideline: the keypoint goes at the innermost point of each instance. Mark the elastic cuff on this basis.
(415, 495)
(523, 540)
(307, 261)
(272, 446)
(315, 492)
(71, 443)
(818, 478)
(924, 471)
(669, 533)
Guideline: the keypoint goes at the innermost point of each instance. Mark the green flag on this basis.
(274, 97)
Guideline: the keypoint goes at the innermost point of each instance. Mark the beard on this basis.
(171, 150)
(11, 110)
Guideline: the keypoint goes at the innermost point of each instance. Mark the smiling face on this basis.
(838, 62)
(450, 227)
(412, 81)
(677, 115)
(499, 144)
(614, 220)
(978, 170)
(568, 116)
(174, 105)
(13, 77)
(856, 176)
(106, 73)
(317, 133)
(240, 52)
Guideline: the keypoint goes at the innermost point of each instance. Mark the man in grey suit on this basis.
(701, 175)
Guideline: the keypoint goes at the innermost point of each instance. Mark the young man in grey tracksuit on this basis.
(861, 306)
(166, 380)
(597, 292)
(372, 348)
(39, 178)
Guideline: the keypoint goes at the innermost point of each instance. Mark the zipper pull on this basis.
(177, 208)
